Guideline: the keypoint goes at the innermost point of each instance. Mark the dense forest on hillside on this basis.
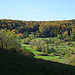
(39, 28)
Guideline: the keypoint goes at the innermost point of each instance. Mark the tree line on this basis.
(39, 28)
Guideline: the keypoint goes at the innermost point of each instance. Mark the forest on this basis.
(39, 28)
(52, 41)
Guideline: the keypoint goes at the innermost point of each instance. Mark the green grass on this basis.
(61, 46)
(25, 45)
(42, 38)
(15, 64)
(42, 57)
(60, 60)
(30, 49)
(34, 51)
(47, 57)
(37, 52)
(73, 42)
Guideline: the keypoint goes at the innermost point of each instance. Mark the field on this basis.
(52, 57)
(61, 47)
(47, 57)
(30, 49)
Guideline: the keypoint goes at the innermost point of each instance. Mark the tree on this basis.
(9, 40)
(57, 42)
(25, 34)
(65, 34)
(2, 36)
(26, 52)
(39, 45)
(59, 36)
(69, 29)
(73, 37)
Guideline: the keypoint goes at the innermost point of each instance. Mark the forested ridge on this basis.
(39, 28)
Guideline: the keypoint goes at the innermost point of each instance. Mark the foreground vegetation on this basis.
(15, 64)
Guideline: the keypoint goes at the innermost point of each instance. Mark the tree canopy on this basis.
(39, 28)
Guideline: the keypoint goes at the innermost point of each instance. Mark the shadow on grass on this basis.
(15, 64)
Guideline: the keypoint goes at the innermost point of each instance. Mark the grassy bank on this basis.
(14, 64)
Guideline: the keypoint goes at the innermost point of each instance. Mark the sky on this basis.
(37, 10)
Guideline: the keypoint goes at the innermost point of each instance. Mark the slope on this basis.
(15, 64)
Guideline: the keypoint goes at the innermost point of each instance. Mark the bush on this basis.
(59, 36)
(71, 60)
(49, 40)
(27, 40)
(35, 47)
(57, 42)
(39, 45)
(67, 55)
(73, 37)
(52, 40)
(32, 42)
(67, 39)
(52, 50)
(27, 53)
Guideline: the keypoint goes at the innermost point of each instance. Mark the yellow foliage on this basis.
(65, 34)
(35, 47)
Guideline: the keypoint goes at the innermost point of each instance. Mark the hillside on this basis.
(38, 28)
(14, 64)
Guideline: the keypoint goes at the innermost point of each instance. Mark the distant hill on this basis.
(38, 28)
(15, 64)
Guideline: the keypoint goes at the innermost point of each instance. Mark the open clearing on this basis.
(52, 57)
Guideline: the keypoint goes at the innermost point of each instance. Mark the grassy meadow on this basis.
(62, 46)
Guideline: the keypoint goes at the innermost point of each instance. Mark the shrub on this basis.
(69, 43)
(73, 37)
(32, 42)
(59, 36)
(49, 40)
(27, 53)
(67, 38)
(56, 43)
(35, 47)
(39, 45)
(52, 40)
(52, 50)
(27, 40)
(71, 60)
(65, 34)
(67, 55)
